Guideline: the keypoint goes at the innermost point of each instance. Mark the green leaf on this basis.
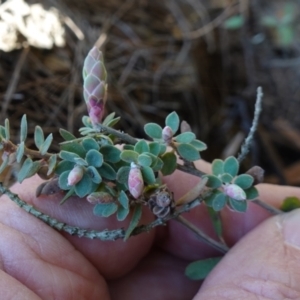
(51, 164)
(67, 196)
(74, 147)
(136, 216)
(107, 171)
(238, 205)
(231, 166)
(2, 132)
(20, 152)
(141, 147)
(244, 181)
(23, 129)
(188, 152)
(157, 164)
(66, 135)
(269, 21)
(105, 209)
(234, 22)
(80, 161)
(144, 160)
(199, 269)
(128, 147)
(108, 118)
(154, 148)
(84, 186)
(89, 144)
(94, 158)
(110, 153)
(4, 164)
(216, 220)
(163, 149)
(216, 200)
(113, 122)
(172, 120)
(86, 121)
(7, 129)
(28, 169)
(226, 178)
(148, 175)
(122, 174)
(213, 181)
(122, 213)
(38, 137)
(251, 193)
(64, 166)
(186, 137)
(200, 146)
(94, 174)
(290, 203)
(47, 143)
(69, 156)
(153, 130)
(169, 163)
(219, 202)
(217, 167)
(63, 180)
(123, 200)
(129, 156)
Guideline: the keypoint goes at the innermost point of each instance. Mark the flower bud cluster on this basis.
(94, 85)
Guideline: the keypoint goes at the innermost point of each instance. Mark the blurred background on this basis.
(204, 59)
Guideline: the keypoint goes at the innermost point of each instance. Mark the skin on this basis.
(37, 262)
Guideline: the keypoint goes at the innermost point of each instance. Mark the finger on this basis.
(183, 243)
(112, 258)
(236, 225)
(13, 289)
(264, 264)
(159, 276)
(36, 257)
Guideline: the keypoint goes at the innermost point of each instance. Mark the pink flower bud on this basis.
(235, 192)
(75, 175)
(167, 135)
(135, 181)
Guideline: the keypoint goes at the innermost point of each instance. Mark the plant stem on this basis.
(221, 247)
(246, 146)
(123, 136)
(189, 170)
(105, 235)
(268, 207)
(11, 147)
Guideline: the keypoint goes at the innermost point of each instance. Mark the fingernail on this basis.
(291, 228)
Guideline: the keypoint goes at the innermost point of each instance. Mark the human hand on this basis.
(38, 262)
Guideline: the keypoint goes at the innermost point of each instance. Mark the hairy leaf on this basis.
(172, 120)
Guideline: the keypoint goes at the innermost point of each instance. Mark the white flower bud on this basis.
(235, 192)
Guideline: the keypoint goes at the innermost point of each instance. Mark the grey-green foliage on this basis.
(186, 144)
(224, 173)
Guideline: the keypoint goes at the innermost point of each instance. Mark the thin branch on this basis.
(219, 246)
(104, 235)
(123, 136)
(189, 170)
(268, 207)
(246, 146)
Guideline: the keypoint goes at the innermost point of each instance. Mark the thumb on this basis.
(265, 264)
